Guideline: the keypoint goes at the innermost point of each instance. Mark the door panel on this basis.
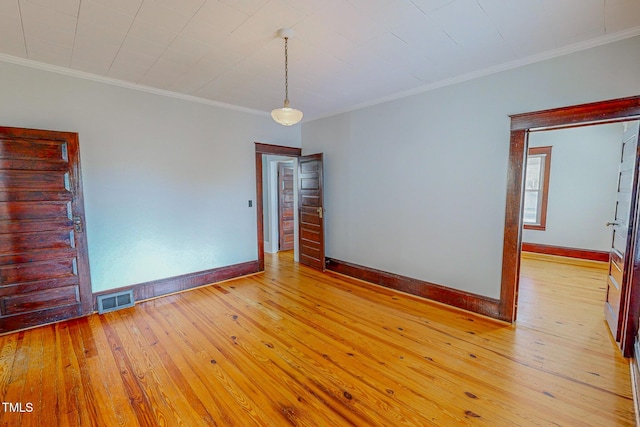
(44, 268)
(26, 242)
(615, 271)
(30, 149)
(311, 214)
(25, 180)
(17, 211)
(285, 206)
(310, 200)
(37, 301)
(41, 270)
(622, 239)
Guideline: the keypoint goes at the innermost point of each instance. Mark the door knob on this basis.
(320, 210)
(609, 224)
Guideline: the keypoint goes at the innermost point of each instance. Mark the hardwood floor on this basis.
(296, 347)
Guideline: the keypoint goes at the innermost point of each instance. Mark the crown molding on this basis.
(576, 47)
(566, 50)
(121, 83)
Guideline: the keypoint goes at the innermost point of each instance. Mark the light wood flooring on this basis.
(296, 347)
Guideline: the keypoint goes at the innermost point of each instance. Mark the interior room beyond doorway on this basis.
(280, 197)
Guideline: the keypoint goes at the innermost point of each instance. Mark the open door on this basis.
(311, 211)
(44, 266)
(622, 245)
(285, 207)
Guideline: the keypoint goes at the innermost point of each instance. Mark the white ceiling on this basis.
(345, 52)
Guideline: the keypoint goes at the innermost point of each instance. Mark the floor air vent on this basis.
(112, 302)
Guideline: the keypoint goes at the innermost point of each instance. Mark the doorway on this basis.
(261, 151)
(570, 190)
(571, 182)
(279, 181)
(309, 245)
(521, 125)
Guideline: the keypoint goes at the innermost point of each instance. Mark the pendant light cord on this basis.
(286, 115)
(286, 70)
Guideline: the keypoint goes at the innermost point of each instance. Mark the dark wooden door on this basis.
(44, 269)
(623, 232)
(285, 206)
(311, 211)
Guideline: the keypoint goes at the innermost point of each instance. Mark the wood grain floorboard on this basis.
(293, 346)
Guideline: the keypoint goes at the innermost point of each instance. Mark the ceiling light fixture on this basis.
(286, 115)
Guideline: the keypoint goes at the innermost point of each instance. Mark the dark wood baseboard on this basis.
(456, 298)
(566, 252)
(170, 285)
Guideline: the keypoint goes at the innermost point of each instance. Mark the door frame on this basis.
(602, 112)
(261, 149)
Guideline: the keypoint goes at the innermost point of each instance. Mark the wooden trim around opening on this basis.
(589, 254)
(512, 228)
(442, 294)
(594, 113)
(277, 150)
(170, 285)
(521, 125)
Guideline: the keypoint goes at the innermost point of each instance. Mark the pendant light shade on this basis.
(286, 115)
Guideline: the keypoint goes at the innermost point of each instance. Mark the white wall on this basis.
(166, 181)
(417, 186)
(582, 186)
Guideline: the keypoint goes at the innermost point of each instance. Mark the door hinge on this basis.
(77, 224)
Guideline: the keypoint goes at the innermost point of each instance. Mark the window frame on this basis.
(543, 192)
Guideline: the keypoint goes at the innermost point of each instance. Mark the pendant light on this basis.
(286, 115)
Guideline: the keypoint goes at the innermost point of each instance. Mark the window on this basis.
(536, 189)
